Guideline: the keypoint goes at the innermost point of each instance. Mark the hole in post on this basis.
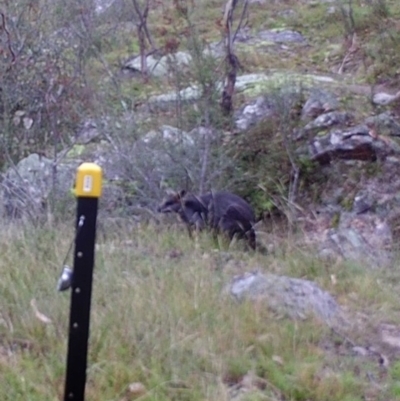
(77, 290)
(75, 325)
(79, 254)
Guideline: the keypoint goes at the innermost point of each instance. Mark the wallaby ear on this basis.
(181, 194)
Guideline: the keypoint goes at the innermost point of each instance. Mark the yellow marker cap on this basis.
(88, 180)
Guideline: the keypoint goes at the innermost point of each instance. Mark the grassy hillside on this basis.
(161, 328)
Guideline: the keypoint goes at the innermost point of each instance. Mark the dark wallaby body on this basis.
(219, 211)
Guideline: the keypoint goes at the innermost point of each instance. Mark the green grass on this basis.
(159, 318)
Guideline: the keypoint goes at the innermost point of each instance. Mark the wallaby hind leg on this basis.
(248, 235)
(251, 238)
(189, 230)
(230, 229)
(235, 223)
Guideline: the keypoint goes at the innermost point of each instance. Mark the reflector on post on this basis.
(88, 180)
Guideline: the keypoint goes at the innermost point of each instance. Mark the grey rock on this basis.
(26, 188)
(252, 113)
(363, 202)
(281, 36)
(247, 82)
(293, 297)
(243, 81)
(160, 66)
(193, 92)
(266, 106)
(319, 102)
(361, 351)
(156, 66)
(383, 99)
(354, 144)
(185, 95)
(328, 120)
(168, 133)
(323, 121)
(332, 10)
(275, 36)
(102, 5)
(384, 123)
(363, 238)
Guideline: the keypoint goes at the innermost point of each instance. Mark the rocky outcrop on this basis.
(354, 144)
(365, 239)
(162, 65)
(368, 141)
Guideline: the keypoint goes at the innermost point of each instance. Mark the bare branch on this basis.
(143, 35)
(239, 27)
(205, 155)
(231, 61)
(3, 26)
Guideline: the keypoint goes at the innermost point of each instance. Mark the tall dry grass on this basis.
(161, 326)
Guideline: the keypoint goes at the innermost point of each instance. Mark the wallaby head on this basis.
(189, 207)
(172, 202)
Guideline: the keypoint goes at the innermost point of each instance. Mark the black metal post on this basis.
(81, 285)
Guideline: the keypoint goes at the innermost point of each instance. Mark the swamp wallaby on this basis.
(219, 211)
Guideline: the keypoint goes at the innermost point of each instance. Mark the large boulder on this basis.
(296, 298)
(26, 188)
(160, 66)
